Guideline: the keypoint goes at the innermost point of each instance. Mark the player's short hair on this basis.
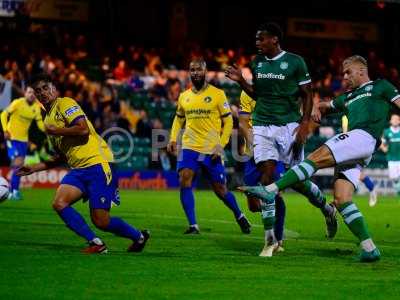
(356, 59)
(272, 29)
(200, 61)
(38, 78)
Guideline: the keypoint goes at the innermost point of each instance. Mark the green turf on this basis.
(40, 258)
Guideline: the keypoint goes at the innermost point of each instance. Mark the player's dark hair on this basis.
(272, 29)
(199, 60)
(38, 78)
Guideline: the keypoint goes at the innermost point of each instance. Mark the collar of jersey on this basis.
(52, 106)
(395, 130)
(201, 90)
(364, 84)
(276, 56)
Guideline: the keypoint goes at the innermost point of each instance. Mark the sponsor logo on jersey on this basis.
(358, 98)
(226, 104)
(70, 111)
(284, 65)
(198, 111)
(368, 88)
(259, 65)
(270, 76)
(207, 99)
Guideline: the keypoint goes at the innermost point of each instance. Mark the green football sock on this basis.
(296, 174)
(354, 220)
(314, 195)
(268, 215)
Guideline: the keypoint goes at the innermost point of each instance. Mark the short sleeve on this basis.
(13, 106)
(246, 106)
(385, 137)
(390, 92)
(302, 74)
(223, 105)
(338, 103)
(70, 110)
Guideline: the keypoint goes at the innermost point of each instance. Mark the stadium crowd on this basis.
(136, 88)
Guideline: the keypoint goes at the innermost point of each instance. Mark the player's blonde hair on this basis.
(356, 59)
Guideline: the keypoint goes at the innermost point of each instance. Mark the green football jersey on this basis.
(276, 84)
(367, 107)
(391, 138)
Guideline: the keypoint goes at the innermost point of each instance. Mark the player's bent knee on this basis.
(220, 190)
(267, 169)
(340, 198)
(101, 222)
(59, 204)
(185, 178)
(100, 218)
(343, 191)
(322, 157)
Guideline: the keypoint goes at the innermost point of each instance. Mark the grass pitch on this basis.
(41, 259)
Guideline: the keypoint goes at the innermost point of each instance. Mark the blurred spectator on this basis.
(143, 126)
(121, 72)
(137, 88)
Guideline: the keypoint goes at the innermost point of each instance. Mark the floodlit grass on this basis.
(40, 258)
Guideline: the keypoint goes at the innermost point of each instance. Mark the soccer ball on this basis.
(4, 189)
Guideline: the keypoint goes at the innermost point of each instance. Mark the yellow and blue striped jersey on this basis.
(203, 112)
(18, 116)
(79, 151)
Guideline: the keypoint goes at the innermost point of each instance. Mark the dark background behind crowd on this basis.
(127, 64)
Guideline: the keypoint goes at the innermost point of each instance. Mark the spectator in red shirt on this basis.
(121, 72)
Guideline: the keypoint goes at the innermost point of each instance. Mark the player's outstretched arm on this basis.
(78, 128)
(235, 73)
(29, 169)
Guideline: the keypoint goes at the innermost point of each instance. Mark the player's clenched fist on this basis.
(171, 147)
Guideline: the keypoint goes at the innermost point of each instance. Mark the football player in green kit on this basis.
(366, 105)
(280, 78)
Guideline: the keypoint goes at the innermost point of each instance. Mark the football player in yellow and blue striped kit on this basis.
(16, 120)
(91, 177)
(202, 110)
